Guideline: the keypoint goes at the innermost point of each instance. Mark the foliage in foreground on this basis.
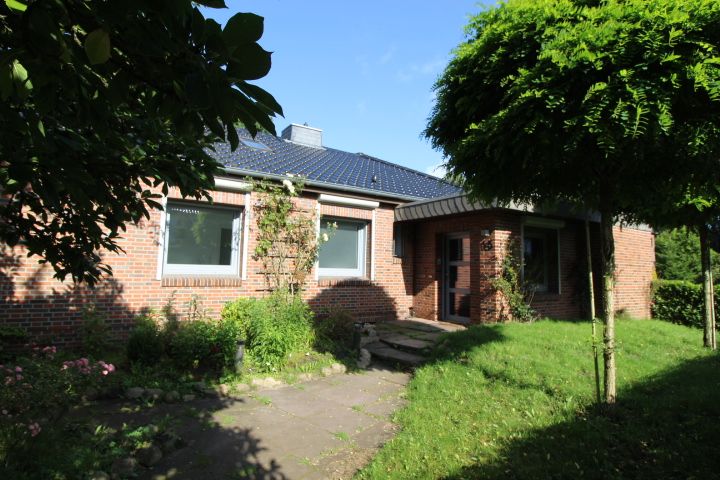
(680, 302)
(100, 101)
(516, 401)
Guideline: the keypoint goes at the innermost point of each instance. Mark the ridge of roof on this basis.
(403, 167)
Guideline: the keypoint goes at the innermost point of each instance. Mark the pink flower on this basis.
(34, 428)
(18, 369)
(19, 377)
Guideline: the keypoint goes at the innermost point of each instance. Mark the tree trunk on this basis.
(608, 313)
(705, 261)
(591, 288)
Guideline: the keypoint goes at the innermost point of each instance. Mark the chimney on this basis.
(304, 135)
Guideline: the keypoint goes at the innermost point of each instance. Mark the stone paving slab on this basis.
(326, 428)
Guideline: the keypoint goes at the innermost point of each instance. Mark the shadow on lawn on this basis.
(457, 345)
(665, 427)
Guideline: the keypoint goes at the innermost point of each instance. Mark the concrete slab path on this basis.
(326, 428)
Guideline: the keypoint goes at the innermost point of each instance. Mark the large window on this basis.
(540, 259)
(201, 240)
(343, 255)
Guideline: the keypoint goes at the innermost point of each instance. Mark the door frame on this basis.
(445, 288)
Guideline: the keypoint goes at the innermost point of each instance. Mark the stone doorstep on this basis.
(385, 352)
(401, 341)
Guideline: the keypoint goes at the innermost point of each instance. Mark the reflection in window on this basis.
(343, 255)
(201, 240)
(540, 259)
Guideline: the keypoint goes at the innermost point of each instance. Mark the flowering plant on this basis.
(35, 391)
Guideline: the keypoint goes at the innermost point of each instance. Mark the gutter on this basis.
(324, 185)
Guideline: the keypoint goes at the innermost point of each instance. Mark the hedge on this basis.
(679, 301)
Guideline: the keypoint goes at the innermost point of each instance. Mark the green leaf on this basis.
(20, 77)
(249, 62)
(232, 137)
(243, 28)
(261, 96)
(19, 73)
(16, 5)
(197, 91)
(212, 3)
(97, 46)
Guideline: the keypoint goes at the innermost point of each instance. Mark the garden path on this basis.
(324, 428)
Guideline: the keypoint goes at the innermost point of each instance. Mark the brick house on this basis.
(407, 244)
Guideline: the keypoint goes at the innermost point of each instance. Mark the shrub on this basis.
(204, 344)
(273, 328)
(335, 331)
(37, 390)
(238, 313)
(196, 344)
(145, 344)
(680, 302)
(94, 332)
(279, 326)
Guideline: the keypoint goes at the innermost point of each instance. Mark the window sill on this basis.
(201, 281)
(344, 282)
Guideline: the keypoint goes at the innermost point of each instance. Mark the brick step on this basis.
(385, 352)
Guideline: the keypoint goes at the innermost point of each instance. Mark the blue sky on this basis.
(362, 71)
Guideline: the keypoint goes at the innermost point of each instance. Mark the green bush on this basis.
(145, 344)
(36, 392)
(335, 331)
(278, 327)
(204, 344)
(238, 313)
(94, 332)
(273, 329)
(680, 302)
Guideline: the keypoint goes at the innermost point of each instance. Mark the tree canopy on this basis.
(677, 256)
(613, 105)
(100, 101)
(578, 98)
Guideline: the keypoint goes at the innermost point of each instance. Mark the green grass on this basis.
(516, 401)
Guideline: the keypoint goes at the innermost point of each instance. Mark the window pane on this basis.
(341, 251)
(535, 260)
(199, 236)
(398, 240)
(455, 245)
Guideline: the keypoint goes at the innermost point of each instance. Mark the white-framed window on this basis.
(540, 255)
(343, 255)
(201, 240)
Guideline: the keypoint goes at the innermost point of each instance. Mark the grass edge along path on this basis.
(516, 401)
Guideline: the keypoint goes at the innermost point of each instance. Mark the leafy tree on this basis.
(102, 100)
(612, 105)
(677, 255)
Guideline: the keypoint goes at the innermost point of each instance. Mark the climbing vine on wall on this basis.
(287, 240)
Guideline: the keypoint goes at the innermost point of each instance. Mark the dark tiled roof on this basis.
(331, 167)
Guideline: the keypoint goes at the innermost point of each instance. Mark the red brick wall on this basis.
(635, 267)
(634, 270)
(51, 310)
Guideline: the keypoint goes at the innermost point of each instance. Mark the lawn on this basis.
(516, 401)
